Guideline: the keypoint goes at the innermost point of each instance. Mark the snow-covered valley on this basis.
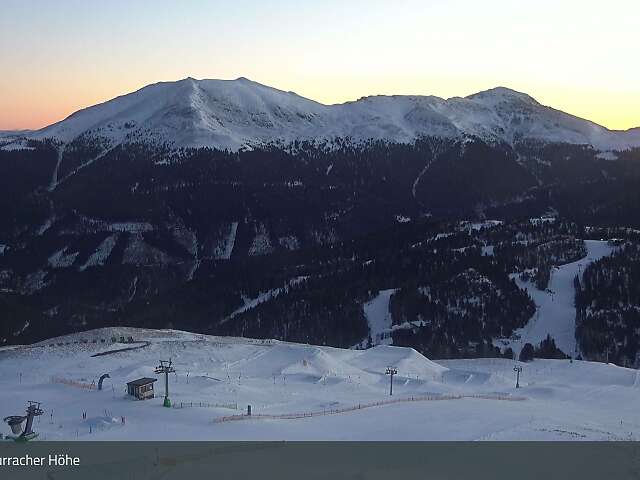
(325, 393)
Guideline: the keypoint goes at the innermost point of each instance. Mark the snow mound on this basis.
(292, 359)
(408, 362)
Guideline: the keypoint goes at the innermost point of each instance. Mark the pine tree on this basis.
(527, 353)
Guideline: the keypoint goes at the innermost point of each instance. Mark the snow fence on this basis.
(360, 406)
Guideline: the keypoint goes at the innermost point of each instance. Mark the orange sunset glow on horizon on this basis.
(574, 56)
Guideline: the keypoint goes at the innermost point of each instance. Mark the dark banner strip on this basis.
(311, 460)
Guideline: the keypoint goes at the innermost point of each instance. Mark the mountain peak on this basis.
(231, 114)
(502, 94)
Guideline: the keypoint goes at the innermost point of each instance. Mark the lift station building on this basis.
(141, 388)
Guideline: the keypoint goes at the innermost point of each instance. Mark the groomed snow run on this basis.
(555, 307)
(378, 318)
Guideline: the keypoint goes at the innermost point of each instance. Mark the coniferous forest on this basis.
(292, 243)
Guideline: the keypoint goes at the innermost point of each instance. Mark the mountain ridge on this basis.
(240, 113)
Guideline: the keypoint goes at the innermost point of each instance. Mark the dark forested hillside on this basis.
(291, 242)
(608, 307)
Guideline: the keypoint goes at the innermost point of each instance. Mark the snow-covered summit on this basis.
(236, 113)
(497, 95)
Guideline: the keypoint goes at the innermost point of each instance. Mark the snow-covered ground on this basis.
(379, 318)
(453, 400)
(555, 308)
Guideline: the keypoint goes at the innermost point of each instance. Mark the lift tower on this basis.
(517, 369)
(391, 371)
(166, 367)
(15, 422)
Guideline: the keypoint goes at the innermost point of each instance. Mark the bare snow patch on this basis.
(249, 303)
(487, 250)
(225, 249)
(131, 227)
(101, 254)
(61, 259)
(45, 226)
(261, 244)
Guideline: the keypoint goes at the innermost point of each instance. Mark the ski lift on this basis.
(16, 421)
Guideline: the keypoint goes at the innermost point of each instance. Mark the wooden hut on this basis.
(141, 388)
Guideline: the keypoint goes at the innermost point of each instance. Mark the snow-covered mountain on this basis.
(236, 113)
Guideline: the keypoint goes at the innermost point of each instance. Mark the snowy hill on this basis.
(306, 392)
(241, 113)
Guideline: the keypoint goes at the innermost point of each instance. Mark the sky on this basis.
(580, 56)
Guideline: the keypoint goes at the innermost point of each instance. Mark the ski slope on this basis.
(555, 308)
(378, 318)
(217, 377)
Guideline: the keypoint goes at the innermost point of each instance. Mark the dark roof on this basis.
(142, 381)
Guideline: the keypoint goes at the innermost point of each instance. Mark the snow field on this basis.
(562, 400)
